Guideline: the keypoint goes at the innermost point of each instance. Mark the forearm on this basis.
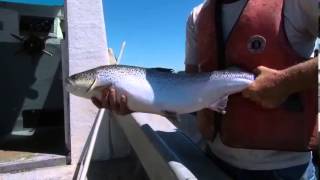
(301, 76)
(272, 87)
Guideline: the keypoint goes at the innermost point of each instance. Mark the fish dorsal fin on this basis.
(160, 69)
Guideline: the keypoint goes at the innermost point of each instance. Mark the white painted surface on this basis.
(164, 151)
(87, 49)
(181, 171)
(111, 141)
(82, 175)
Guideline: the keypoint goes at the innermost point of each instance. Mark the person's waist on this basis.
(257, 159)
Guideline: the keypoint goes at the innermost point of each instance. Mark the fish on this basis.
(159, 90)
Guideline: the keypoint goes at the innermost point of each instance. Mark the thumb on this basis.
(257, 71)
(260, 69)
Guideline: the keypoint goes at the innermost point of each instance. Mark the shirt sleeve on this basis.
(191, 47)
(310, 12)
(191, 42)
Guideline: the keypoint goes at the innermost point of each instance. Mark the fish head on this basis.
(81, 84)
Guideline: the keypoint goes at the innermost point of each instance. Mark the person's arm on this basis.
(205, 116)
(301, 76)
(272, 87)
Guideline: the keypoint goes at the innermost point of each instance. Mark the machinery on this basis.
(33, 127)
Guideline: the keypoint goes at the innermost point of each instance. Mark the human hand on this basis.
(109, 100)
(269, 89)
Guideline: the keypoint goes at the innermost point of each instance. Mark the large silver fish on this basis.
(161, 91)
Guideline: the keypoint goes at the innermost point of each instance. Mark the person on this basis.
(259, 137)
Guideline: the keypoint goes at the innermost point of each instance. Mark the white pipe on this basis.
(123, 45)
(96, 128)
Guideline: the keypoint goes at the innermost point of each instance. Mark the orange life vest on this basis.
(258, 38)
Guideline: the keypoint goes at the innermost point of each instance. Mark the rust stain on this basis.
(7, 156)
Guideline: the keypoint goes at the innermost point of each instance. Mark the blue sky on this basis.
(154, 31)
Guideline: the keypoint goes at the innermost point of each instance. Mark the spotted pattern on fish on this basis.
(156, 90)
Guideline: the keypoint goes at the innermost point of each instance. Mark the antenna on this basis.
(123, 45)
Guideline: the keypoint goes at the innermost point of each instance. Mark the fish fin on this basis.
(160, 69)
(172, 116)
(93, 85)
(220, 105)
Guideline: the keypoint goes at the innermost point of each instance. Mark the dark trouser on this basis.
(301, 172)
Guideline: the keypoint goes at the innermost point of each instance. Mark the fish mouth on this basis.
(79, 88)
